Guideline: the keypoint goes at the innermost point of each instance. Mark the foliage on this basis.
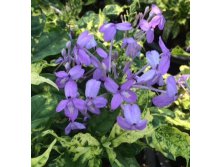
(167, 130)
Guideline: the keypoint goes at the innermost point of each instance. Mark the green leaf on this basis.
(167, 29)
(178, 51)
(37, 25)
(36, 79)
(184, 69)
(36, 69)
(41, 160)
(43, 109)
(112, 10)
(86, 149)
(165, 116)
(170, 141)
(126, 161)
(97, 125)
(119, 136)
(49, 43)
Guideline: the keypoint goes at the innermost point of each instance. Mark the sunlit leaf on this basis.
(41, 160)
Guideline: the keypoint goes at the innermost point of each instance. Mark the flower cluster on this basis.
(103, 73)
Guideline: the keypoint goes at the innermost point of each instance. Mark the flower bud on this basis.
(68, 44)
(63, 52)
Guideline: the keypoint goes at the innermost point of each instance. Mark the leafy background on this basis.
(166, 138)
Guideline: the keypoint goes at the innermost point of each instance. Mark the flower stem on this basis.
(141, 70)
(110, 54)
(149, 88)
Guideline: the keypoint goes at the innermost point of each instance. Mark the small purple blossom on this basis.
(74, 74)
(94, 102)
(85, 41)
(132, 47)
(109, 29)
(170, 96)
(158, 19)
(74, 126)
(132, 118)
(120, 94)
(71, 104)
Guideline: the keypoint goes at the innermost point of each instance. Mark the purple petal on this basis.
(162, 100)
(171, 86)
(129, 96)
(96, 63)
(79, 104)
(97, 74)
(153, 58)
(162, 23)
(101, 53)
(92, 88)
(68, 129)
(160, 81)
(124, 26)
(83, 39)
(91, 43)
(76, 72)
(127, 85)
(77, 125)
(70, 111)
(61, 74)
(155, 21)
(93, 109)
(129, 114)
(84, 58)
(141, 125)
(61, 82)
(110, 85)
(100, 102)
(164, 64)
(144, 25)
(123, 123)
(162, 46)
(109, 31)
(147, 76)
(70, 89)
(155, 10)
(61, 105)
(116, 101)
(106, 26)
(150, 35)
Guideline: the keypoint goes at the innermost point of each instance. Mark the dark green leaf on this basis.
(49, 43)
(97, 125)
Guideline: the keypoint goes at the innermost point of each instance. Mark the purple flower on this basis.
(132, 47)
(170, 96)
(71, 104)
(159, 66)
(66, 58)
(84, 41)
(149, 30)
(94, 102)
(132, 120)
(158, 19)
(165, 57)
(101, 71)
(74, 74)
(120, 94)
(154, 75)
(74, 126)
(109, 29)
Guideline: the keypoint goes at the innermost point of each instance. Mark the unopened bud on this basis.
(63, 52)
(68, 44)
